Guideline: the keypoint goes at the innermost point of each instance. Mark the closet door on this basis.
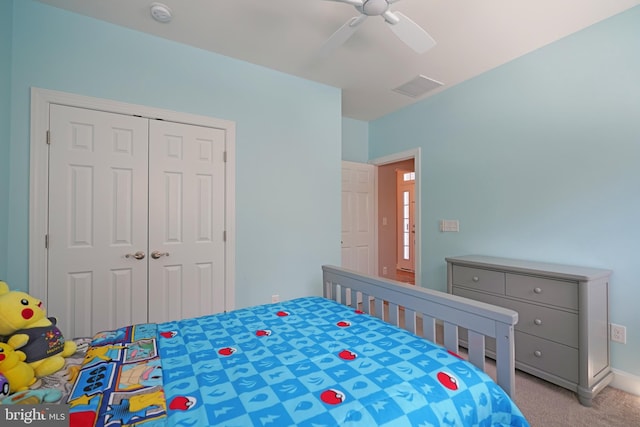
(186, 221)
(136, 220)
(97, 237)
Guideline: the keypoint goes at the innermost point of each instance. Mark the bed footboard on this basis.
(391, 300)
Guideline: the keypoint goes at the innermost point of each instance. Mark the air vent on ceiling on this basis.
(418, 86)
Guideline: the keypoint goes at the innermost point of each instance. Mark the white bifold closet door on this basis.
(136, 220)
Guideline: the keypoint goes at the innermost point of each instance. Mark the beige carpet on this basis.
(547, 405)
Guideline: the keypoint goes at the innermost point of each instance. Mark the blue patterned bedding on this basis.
(305, 362)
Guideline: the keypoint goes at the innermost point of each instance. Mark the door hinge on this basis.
(46, 241)
(224, 157)
(48, 137)
(224, 236)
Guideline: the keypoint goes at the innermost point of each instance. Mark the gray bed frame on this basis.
(431, 307)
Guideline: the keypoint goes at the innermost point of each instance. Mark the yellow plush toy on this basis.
(24, 326)
(12, 366)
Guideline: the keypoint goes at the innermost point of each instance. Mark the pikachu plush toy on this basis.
(24, 326)
(18, 374)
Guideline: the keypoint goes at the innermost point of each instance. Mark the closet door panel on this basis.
(97, 216)
(186, 220)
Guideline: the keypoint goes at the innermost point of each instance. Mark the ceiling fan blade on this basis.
(411, 33)
(357, 3)
(343, 34)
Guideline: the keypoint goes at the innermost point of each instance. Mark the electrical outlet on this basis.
(275, 298)
(618, 333)
(385, 271)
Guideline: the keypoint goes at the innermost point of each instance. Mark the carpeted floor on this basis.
(547, 405)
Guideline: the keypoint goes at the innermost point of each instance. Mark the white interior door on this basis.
(186, 219)
(97, 215)
(358, 214)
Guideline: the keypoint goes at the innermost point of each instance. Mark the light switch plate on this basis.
(449, 225)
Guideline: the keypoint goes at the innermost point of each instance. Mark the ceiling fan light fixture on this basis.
(418, 86)
(161, 12)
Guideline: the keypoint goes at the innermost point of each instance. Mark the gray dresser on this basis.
(562, 335)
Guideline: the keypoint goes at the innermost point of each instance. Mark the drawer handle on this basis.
(537, 290)
(537, 322)
(537, 353)
(475, 278)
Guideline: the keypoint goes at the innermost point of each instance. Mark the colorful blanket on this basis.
(305, 362)
(120, 382)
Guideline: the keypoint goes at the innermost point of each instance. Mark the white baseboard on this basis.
(626, 382)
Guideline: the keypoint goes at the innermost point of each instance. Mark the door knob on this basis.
(137, 255)
(158, 254)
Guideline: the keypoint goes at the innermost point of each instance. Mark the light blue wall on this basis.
(288, 138)
(539, 159)
(6, 12)
(355, 140)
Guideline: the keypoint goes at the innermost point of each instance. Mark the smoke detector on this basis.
(161, 12)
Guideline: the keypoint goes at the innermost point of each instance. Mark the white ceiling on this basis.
(472, 36)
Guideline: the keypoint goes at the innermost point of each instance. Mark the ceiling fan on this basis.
(404, 28)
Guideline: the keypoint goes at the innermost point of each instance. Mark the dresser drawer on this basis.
(544, 322)
(478, 278)
(554, 358)
(541, 290)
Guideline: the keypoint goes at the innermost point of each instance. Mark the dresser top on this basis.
(571, 272)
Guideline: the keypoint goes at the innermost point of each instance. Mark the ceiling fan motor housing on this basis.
(374, 7)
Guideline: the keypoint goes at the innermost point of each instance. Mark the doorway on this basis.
(398, 234)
